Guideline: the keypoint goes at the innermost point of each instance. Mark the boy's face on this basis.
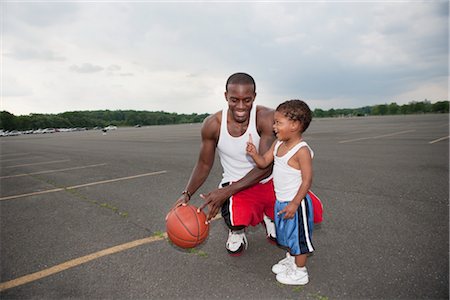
(240, 99)
(285, 128)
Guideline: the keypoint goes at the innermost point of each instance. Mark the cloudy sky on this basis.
(176, 56)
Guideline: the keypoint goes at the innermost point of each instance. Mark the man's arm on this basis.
(215, 199)
(209, 134)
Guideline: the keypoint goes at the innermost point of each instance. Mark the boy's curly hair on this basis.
(296, 110)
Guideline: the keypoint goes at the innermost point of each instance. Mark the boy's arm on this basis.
(262, 161)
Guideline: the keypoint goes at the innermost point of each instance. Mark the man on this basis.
(245, 195)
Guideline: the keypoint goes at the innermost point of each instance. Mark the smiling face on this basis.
(285, 128)
(240, 99)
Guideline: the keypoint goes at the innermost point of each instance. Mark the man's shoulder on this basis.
(264, 111)
(264, 117)
(211, 124)
(213, 119)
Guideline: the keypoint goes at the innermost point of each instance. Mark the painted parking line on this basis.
(80, 186)
(18, 158)
(439, 139)
(39, 163)
(75, 262)
(52, 171)
(82, 260)
(13, 154)
(376, 137)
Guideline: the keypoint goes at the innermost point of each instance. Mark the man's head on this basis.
(296, 110)
(241, 78)
(240, 94)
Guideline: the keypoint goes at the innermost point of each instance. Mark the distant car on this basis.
(137, 126)
(110, 127)
(49, 130)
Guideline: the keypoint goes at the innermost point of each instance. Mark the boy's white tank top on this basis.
(236, 163)
(286, 179)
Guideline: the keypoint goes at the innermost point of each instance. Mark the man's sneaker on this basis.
(297, 276)
(270, 229)
(237, 242)
(286, 263)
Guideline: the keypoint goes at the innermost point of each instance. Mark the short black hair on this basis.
(296, 110)
(240, 78)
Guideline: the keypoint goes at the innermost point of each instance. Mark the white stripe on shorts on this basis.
(230, 208)
(305, 225)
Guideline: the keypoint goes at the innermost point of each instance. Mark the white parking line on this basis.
(439, 139)
(376, 137)
(13, 154)
(80, 186)
(17, 158)
(40, 163)
(52, 171)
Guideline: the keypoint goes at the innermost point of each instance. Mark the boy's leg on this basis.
(300, 245)
(300, 260)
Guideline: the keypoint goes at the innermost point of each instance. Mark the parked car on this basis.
(110, 127)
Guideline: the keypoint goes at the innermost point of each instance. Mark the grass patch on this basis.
(297, 289)
(318, 296)
(198, 252)
(158, 234)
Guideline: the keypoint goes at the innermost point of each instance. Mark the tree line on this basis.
(92, 119)
(102, 118)
(413, 107)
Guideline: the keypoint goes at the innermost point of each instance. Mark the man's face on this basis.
(240, 99)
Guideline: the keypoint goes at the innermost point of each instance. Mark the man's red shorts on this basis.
(249, 206)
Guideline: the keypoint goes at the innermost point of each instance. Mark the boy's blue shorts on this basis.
(296, 233)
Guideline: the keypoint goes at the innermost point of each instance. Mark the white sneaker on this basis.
(270, 229)
(297, 276)
(237, 242)
(286, 263)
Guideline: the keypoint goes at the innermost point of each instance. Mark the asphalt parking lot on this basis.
(82, 216)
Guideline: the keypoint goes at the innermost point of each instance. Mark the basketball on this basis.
(185, 227)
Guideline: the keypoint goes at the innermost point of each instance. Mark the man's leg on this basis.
(237, 241)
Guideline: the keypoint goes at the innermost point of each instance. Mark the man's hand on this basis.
(183, 200)
(214, 200)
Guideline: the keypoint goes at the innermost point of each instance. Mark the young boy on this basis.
(292, 177)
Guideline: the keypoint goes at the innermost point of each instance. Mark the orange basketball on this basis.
(185, 227)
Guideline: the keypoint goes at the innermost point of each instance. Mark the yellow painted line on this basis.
(80, 186)
(75, 262)
(376, 137)
(439, 139)
(52, 171)
(40, 163)
(81, 260)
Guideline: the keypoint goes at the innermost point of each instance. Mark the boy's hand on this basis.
(251, 148)
(289, 211)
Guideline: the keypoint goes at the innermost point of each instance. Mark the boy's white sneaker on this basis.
(297, 276)
(237, 242)
(286, 263)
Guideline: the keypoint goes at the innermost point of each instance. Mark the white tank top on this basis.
(232, 150)
(286, 179)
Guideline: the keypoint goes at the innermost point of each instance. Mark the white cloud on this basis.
(86, 68)
(177, 56)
